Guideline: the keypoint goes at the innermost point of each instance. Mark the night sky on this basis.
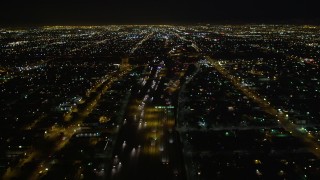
(100, 12)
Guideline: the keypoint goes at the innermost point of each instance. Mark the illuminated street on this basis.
(160, 102)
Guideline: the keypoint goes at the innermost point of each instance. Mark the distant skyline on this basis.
(103, 12)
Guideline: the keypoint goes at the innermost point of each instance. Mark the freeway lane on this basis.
(148, 146)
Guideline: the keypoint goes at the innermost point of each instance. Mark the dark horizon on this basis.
(39, 13)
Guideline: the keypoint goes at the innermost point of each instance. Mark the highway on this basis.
(148, 145)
